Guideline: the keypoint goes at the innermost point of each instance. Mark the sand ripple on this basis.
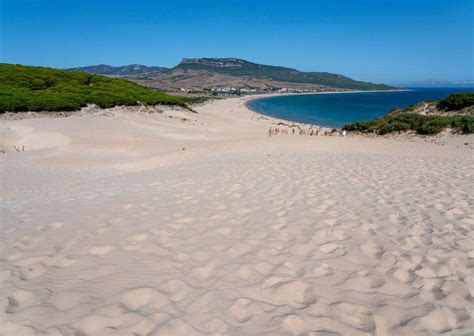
(273, 238)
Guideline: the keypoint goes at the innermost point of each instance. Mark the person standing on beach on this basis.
(344, 133)
(270, 132)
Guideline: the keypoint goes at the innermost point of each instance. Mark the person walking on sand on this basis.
(270, 132)
(343, 133)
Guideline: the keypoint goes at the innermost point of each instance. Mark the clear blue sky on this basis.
(377, 40)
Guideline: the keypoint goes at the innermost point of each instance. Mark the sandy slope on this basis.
(109, 227)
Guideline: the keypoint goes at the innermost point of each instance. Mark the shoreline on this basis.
(270, 95)
(252, 233)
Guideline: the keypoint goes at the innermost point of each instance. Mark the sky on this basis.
(383, 41)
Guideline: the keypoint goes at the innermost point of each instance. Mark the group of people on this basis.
(301, 131)
(276, 131)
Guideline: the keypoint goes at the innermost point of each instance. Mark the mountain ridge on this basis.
(123, 70)
(237, 68)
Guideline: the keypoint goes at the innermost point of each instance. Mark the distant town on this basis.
(235, 91)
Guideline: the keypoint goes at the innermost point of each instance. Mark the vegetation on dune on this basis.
(457, 101)
(27, 88)
(421, 124)
(408, 120)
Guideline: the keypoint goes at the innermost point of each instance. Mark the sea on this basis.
(338, 109)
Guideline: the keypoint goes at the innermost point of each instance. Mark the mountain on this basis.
(241, 68)
(125, 70)
(206, 73)
(441, 83)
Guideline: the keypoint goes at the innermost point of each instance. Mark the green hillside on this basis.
(28, 88)
(238, 67)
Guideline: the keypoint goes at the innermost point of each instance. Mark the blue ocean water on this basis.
(336, 110)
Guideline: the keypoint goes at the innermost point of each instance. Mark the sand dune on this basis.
(175, 223)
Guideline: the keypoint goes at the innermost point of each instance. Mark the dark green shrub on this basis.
(393, 127)
(410, 121)
(457, 101)
(25, 88)
(433, 125)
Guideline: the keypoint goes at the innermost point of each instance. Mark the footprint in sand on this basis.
(281, 290)
(115, 221)
(204, 272)
(246, 272)
(294, 268)
(175, 328)
(201, 256)
(225, 231)
(17, 329)
(19, 300)
(65, 244)
(99, 250)
(96, 324)
(32, 271)
(135, 299)
(50, 332)
(65, 299)
(185, 220)
(432, 289)
(356, 316)
(27, 242)
(101, 231)
(28, 261)
(240, 249)
(295, 325)
(5, 274)
(176, 290)
(323, 270)
(95, 273)
(404, 275)
(137, 238)
(264, 267)
(437, 321)
(52, 226)
(458, 288)
(372, 249)
(180, 257)
(370, 280)
(328, 248)
(241, 310)
(217, 327)
(244, 211)
(62, 261)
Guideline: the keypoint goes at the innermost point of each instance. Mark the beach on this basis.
(165, 221)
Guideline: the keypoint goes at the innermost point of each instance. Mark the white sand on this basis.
(109, 227)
